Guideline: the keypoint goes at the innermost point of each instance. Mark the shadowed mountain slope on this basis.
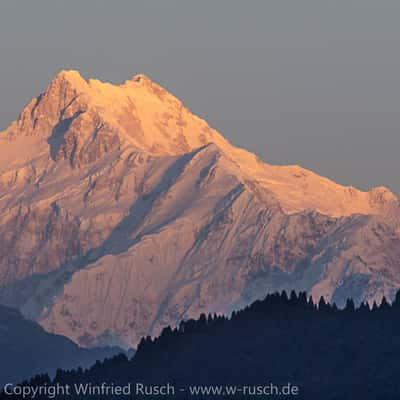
(27, 349)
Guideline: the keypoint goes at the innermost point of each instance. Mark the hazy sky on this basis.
(315, 83)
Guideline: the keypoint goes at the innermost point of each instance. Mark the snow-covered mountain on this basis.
(122, 212)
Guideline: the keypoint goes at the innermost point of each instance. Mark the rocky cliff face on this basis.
(121, 212)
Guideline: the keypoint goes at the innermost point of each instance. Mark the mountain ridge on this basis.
(77, 100)
(29, 350)
(121, 212)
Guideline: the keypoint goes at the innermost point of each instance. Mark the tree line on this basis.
(327, 352)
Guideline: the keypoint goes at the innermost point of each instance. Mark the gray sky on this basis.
(315, 83)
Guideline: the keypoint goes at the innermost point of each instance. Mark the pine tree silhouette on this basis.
(329, 352)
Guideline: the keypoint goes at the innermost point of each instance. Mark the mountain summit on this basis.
(138, 113)
(122, 212)
(82, 120)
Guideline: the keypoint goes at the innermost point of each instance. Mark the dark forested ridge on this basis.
(328, 353)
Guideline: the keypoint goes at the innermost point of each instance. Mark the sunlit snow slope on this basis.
(121, 212)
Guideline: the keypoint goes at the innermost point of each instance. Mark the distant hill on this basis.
(26, 349)
(327, 353)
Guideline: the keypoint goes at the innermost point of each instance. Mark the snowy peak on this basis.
(82, 120)
(69, 77)
(122, 212)
(137, 112)
(143, 114)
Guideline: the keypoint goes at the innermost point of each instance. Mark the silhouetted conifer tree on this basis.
(322, 305)
(350, 307)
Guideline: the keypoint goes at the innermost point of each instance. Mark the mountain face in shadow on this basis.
(326, 352)
(26, 349)
(121, 212)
